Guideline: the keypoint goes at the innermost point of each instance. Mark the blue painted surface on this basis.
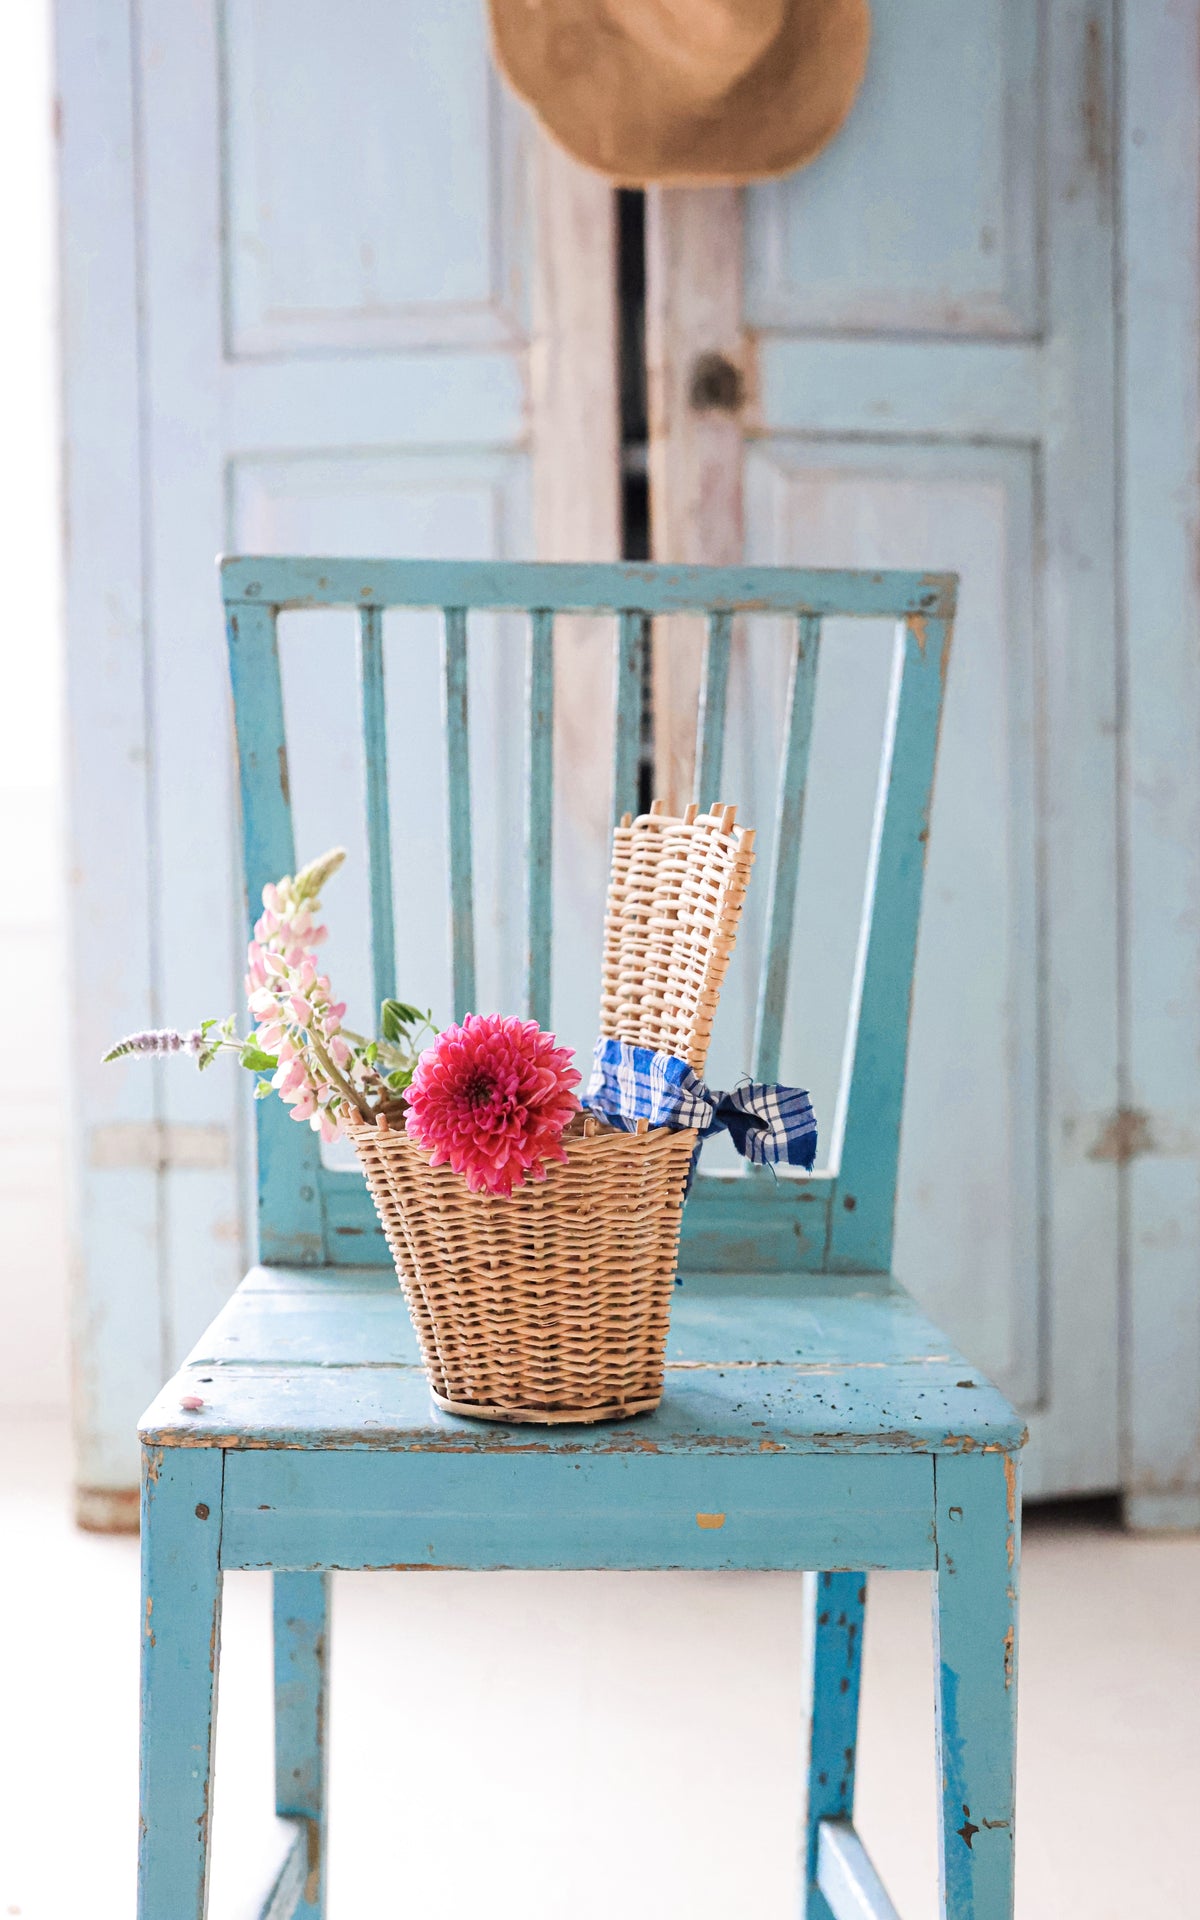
(379, 820)
(785, 861)
(458, 803)
(841, 1221)
(836, 1605)
(539, 815)
(301, 1633)
(714, 697)
(812, 1418)
(848, 1887)
(975, 1621)
(181, 1630)
(628, 723)
(585, 588)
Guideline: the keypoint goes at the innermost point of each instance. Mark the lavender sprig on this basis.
(158, 1040)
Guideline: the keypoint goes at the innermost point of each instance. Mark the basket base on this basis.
(541, 1417)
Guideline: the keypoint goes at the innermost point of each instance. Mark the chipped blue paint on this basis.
(181, 1632)
(835, 1610)
(975, 1621)
(301, 1630)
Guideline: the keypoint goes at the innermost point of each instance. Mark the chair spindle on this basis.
(539, 815)
(781, 902)
(627, 736)
(379, 829)
(458, 799)
(710, 725)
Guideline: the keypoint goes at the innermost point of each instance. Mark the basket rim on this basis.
(396, 1138)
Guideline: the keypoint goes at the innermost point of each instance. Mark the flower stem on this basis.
(327, 1067)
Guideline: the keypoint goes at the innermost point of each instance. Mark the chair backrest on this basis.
(839, 1220)
(674, 901)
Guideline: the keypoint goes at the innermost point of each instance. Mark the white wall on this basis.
(33, 1258)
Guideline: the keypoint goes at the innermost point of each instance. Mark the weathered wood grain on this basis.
(755, 1363)
(696, 359)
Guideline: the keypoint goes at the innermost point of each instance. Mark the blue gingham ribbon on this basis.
(767, 1124)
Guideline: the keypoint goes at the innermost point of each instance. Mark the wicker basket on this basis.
(552, 1305)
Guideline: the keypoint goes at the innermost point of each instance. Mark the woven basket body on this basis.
(548, 1306)
(552, 1304)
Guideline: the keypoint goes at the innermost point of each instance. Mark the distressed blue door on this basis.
(923, 321)
(317, 230)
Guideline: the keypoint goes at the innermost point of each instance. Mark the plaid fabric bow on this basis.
(767, 1124)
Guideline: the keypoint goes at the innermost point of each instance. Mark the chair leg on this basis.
(181, 1628)
(301, 1682)
(975, 1620)
(836, 1608)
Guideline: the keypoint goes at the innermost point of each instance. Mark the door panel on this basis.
(949, 105)
(928, 345)
(331, 114)
(252, 129)
(337, 275)
(1007, 1226)
(967, 1229)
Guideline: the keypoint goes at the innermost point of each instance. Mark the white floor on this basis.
(572, 1747)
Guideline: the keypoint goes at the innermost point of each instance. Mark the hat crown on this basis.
(707, 44)
(685, 92)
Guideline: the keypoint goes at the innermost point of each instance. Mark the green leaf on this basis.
(400, 1080)
(395, 1017)
(371, 1053)
(257, 1061)
(263, 1090)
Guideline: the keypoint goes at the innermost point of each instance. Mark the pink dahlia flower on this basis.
(492, 1098)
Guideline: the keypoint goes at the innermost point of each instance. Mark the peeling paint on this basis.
(967, 1831)
(312, 1878)
(1094, 108)
(1126, 1137)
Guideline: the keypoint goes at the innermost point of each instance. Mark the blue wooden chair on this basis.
(812, 1417)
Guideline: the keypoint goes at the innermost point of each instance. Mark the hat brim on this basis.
(622, 115)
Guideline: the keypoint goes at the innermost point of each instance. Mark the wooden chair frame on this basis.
(853, 1436)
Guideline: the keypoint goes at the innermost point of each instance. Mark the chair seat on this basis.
(327, 1359)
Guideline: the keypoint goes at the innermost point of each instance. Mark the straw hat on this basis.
(683, 92)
